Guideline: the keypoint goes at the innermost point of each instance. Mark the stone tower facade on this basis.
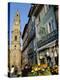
(15, 51)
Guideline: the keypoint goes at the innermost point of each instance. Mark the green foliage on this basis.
(41, 72)
(33, 74)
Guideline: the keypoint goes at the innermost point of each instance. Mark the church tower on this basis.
(15, 51)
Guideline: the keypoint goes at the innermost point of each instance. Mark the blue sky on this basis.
(23, 8)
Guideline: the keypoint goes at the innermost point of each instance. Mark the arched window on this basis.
(15, 46)
(15, 38)
(17, 14)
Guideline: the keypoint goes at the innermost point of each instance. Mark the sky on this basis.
(23, 9)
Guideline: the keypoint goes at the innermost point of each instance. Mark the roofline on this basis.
(33, 9)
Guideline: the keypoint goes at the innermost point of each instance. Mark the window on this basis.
(17, 14)
(42, 61)
(15, 38)
(39, 18)
(51, 25)
(15, 46)
(46, 8)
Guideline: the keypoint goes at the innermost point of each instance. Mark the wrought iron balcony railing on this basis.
(48, 38)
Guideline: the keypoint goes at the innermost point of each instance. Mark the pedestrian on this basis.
(12, 71)
(25, 71)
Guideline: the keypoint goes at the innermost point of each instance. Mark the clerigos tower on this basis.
(15, 51)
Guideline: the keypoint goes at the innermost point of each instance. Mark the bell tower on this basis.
(15, 51)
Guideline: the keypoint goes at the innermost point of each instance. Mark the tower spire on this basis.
(16, 24)
(15, 53)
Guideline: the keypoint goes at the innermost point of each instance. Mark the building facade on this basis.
(28, 42)
(42, 37)
(47, 44)
(15, 50)
(25, 48)
(46, 24)
(31, 38)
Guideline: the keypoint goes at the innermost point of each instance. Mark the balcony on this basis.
(48, 38)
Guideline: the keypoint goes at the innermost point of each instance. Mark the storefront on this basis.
(48, 55)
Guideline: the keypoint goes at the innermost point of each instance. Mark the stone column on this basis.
(52, 57)
(55, 53)
(46, 57)
(38, 61)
